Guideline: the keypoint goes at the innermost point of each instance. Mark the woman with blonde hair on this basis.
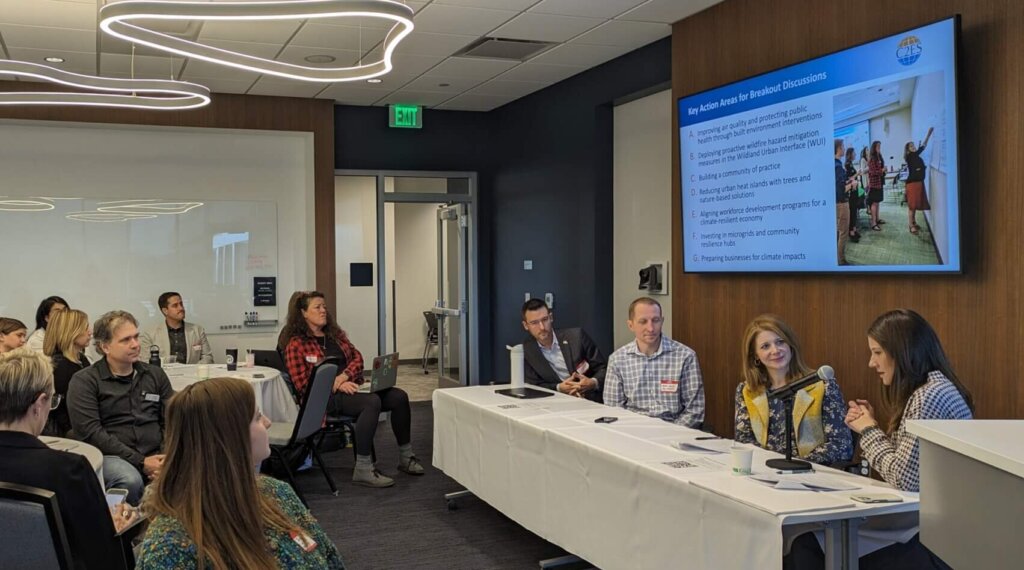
(210, 508)
(67, 336)
(12, 334)
(771, 360)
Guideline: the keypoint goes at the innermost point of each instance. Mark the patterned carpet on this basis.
(894, 245)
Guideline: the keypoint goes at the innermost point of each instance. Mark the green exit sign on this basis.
(405, 116)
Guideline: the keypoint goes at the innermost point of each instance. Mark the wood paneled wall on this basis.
(978, 315)
(229, 112)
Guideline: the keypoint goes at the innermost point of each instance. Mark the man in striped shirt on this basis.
(655, 375)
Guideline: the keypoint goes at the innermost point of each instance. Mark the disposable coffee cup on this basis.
(232, 360)
(203, 371)
(741, 459)
(250, 358)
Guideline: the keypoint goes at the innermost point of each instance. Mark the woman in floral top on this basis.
(771, 359)
(210, 509)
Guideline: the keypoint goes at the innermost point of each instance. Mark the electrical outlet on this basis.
(527, 297)
(528, 264)
(549, 299)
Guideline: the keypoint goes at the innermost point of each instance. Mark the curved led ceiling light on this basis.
(105, 217)
(115, 19)
(147, 207)
(125, 93)
(23, 205)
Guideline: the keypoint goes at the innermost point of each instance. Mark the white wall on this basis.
(929, 111)
(90, 161)
(415, 239)
(642, 196)
(355, 236)
(893, 131)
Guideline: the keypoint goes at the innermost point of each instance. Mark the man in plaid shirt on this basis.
(655, 375)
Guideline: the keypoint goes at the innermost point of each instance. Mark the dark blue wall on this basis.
(545, 177)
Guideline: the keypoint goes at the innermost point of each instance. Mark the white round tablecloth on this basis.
(272, 395)
(92, 453)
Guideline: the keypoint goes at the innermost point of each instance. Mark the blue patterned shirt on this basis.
(666, 385)
(896, 457)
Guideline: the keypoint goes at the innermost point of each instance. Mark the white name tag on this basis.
(311, 359)
(151, 397)
(197, 347)
(669, 386)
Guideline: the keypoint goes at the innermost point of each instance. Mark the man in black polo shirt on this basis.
(117, 405)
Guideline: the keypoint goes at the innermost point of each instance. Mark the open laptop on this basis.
(384, 373)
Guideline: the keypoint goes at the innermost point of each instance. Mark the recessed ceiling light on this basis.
(320, 58)
(54, 59)
(375, 80)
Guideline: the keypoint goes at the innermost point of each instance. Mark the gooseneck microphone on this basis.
(790, 390)
(787, 393)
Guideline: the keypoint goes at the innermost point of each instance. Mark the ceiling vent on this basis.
(502, 48)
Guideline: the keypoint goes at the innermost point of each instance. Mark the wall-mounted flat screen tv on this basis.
(844, 163)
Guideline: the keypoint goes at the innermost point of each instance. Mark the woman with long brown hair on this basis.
(211, 509)
(67, 337)
(310, 335)
(771, 360)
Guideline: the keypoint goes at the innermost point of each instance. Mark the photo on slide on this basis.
(894, 138)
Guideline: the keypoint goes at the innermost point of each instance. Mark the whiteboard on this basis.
(103, 254)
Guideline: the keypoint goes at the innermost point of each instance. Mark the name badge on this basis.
(305, 542)
(197, 347)
(669, 386)
(151, 397)
(312, 359)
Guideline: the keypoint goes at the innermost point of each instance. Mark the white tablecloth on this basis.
(613, 494)
(272, 395)
(90, 452)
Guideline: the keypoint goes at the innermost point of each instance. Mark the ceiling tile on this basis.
(585, 55)
(603, 9)
(499, 4)
(624, 33)
(200, 68)
(541, 72)
(338, 37)
(433, 82)
(473, 102)
(369, 22)
(514, 89)
(285, 88)
(49, 13)
(296, 55)
(667, 11)
(74, 61)
(426, 43)
(348, 94)
(407, 64)
(223, 84)
(425, 98)
(442, 19)
(472, 68)
(145, 67)
(48, 38)
(270, 32)
(545, 28)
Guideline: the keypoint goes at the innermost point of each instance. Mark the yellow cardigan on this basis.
(806, 416)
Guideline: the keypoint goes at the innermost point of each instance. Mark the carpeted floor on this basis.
(894, 244)
(409, 525)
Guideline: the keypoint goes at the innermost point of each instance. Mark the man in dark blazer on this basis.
(566, 360)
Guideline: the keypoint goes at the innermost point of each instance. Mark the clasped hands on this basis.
(577, 385)
(860, 415)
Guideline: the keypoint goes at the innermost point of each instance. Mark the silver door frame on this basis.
(469, 367)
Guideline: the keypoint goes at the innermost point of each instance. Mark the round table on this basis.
(272, 395)
(93, 454)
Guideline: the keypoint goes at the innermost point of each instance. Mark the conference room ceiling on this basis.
(426, 70)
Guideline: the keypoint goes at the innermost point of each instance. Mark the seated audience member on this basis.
(918, 383)
(309, 335)
(117, 405)
(65, 343)
(26, 398)
(771, 360)
(238, 518)
(186, 341)
(12, 334)
(655, 375)
(49, 307)
(565, 360)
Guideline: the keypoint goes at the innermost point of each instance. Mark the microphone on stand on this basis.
(787, 393)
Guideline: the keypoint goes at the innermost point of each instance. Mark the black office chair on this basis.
(32, 528)
(430, 339)
(308, 425)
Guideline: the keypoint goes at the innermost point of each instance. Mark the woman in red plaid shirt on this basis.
(311, 334)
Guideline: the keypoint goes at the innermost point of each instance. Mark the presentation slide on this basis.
(847, 162)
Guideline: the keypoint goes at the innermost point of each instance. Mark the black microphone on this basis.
(790, 390)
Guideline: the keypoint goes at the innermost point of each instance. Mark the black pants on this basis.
(806, 554)
(366, 408)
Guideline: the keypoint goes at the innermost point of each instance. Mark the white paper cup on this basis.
(203, 371)
(741, 459)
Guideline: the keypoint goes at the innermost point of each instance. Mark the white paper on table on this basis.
(803, 482)
(776, 502)
(705, 445)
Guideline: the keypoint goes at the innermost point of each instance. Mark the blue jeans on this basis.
(119, 474)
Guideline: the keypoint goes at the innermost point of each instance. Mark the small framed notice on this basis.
(264, 291)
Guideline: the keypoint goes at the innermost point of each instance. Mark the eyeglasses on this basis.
(55, 400)
(540, 321)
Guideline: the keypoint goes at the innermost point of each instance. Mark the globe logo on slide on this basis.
(909, 50)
